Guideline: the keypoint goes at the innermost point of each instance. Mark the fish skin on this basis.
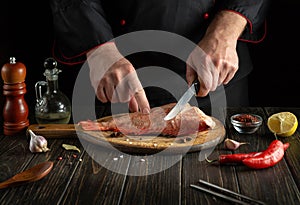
(189, 121)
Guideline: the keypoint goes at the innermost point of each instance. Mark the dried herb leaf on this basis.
(70, 147)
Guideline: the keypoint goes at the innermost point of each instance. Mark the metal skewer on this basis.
(226, 191)
(219, 195)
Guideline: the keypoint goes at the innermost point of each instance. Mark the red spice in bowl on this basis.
(246, 118)
(246, 123)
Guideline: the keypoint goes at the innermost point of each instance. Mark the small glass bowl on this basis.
(246, 123)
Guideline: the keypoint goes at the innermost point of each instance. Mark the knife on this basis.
(193, 90)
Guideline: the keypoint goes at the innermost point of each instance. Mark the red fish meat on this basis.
(190, 120)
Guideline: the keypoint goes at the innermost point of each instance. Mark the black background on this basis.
(26, 33)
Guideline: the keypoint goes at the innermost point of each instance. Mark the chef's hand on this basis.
(216, 61)
(114, 78)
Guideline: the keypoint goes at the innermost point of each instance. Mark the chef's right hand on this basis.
(215, 60)
(114, 78)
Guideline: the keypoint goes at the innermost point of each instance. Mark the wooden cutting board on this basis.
(136, 144)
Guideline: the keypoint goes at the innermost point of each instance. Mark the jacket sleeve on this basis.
(79, 25)
(255, 11)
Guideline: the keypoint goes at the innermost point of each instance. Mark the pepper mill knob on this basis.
(15, 110)
(13, 72)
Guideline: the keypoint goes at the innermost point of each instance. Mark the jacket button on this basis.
(205, 16)
(122, 22)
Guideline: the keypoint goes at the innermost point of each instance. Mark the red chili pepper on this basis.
(239, 157)
(271, 156)
(236, 158)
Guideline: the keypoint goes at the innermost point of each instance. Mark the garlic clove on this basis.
(37, 143)
(232, 144)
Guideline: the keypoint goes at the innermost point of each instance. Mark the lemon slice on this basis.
(283, 124)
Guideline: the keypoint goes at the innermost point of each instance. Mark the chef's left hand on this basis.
(114, 78)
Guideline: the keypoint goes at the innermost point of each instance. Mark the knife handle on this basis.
(196, 84)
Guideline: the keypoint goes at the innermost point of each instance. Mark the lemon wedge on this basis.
(283, 124)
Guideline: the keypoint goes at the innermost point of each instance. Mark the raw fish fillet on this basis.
(189, 121)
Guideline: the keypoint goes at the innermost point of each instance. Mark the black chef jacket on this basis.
(81, 25)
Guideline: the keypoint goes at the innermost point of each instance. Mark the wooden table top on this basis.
(108, 177)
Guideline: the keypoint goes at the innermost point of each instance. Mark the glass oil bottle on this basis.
(52, 107)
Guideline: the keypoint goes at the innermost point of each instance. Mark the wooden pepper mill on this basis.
(15, 110)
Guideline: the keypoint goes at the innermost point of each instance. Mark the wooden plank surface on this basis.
(95, 181)
(153, 179)
(250, 180)
(292, 156)
(114, 177)
(195, 169)
(14, 158)
(52, 186)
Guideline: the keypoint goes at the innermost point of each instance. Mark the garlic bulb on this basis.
(37, 143)
(232, 144)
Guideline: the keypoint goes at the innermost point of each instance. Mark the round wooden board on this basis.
(155, 144)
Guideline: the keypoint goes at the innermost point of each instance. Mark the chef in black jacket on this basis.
(84, 29)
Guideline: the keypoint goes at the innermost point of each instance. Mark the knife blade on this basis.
(193, 90)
